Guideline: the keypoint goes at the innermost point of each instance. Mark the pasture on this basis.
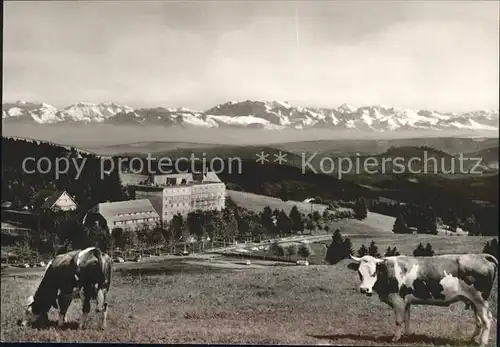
(406, 244)
(202, 299)
(363, 234)
(374, 223)
(198, 300)
(256, 203)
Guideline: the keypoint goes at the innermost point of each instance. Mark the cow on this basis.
(86, 273)
(402, 281)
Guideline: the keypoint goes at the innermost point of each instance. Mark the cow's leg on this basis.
(399, 310)
(102, 306)
(485, 316)
(43, 320)
(86, 307)
(104, 316)
(407, 320)
(85, 313)
(479, 325)
(64, 301)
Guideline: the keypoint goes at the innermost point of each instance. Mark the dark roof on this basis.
(46, 198)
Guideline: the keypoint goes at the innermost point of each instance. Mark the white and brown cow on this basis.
(402, 281)
(87, 272)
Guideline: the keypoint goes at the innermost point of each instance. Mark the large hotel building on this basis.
(182, 193)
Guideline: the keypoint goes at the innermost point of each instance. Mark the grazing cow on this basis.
(86, 272)
(401, 281)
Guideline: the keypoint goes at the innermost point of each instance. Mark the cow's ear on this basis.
(353, 266)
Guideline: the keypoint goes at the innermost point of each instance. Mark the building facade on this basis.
(208, 196)
(130, 214)
(183, 193)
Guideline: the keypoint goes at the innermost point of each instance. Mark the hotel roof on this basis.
(125, 210)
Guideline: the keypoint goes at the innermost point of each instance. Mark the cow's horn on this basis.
(356, 259)
(378, 261)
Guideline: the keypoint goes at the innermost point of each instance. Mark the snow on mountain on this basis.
(194, 120)
(93, 113)
(243, 121)
(22, 111)
(254, 114)
(15, 112)
(346, 108)
(275, 113)
(473, 125)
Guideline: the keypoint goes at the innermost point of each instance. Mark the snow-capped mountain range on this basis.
(254, 114)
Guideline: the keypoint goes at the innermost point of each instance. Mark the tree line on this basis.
(476, 219)
(341, 248)
(61, 231)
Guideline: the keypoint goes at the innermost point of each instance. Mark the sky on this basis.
(423, 55)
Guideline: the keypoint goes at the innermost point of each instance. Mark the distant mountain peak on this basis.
(346, 108)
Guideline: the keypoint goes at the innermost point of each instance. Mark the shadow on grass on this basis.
(169, 267)
(411, 339)
(53, 324)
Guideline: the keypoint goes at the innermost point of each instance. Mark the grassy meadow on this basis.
(184, 303)
(256, 203)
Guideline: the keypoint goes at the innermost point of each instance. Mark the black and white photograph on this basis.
(263, 172)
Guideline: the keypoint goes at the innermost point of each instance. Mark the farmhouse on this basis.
(183, 193)
(130, 214)
(52, 200)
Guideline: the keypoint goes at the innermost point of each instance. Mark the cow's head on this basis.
(29, 317)
(367, 270)
(34, 314)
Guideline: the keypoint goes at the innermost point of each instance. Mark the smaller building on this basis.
(130, 214)
(47, 199)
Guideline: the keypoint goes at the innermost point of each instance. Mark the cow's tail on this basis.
(103, 265)
(491, 258)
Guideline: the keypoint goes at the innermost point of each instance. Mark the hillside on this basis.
(489, 156)
(466, 195)
(256, 203)
(452, 145)
(436, 147)
(148, 147)
(345, 158)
